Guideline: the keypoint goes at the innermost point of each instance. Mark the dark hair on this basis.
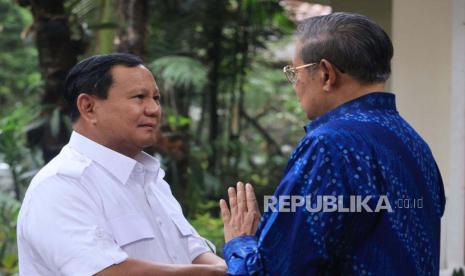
(93, 76)
(352, 42)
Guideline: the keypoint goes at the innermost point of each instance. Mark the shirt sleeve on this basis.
(305, 240)
(63, 227)
(242, 256)
(196, 245)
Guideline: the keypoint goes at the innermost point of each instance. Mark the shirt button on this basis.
(99, 234)
(159, 222)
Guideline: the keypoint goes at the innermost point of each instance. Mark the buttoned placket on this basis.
(157, 211)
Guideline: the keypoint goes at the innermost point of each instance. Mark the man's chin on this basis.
(146, 142)
(145, 138)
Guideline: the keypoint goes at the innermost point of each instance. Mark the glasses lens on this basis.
(290, 73)
(292, 76)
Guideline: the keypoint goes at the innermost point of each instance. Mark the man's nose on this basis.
(152, 108)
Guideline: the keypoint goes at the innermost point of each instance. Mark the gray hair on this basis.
(353, 43)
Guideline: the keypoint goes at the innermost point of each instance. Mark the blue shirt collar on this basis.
(372, 101)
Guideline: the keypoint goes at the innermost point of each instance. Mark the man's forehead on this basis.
(132, 76)
(123, 70)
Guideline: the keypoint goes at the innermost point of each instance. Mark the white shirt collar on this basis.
(116, 163)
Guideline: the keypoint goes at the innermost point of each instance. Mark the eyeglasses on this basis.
(291, 71)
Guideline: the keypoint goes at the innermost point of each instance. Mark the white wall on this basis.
(421, 34)
(429, 80)
(378, 10)
(455, 218)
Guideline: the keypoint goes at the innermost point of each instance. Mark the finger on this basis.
(241, 202)
(248, 225)
(232, 200)
(252, 204)
(225, 214)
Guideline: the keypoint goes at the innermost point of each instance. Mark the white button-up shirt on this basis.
(91, 207)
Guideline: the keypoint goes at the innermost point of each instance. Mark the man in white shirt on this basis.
(101, 206)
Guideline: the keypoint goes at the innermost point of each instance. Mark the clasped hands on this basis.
(242, 216)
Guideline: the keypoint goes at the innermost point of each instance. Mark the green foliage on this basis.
(458, 272)
(210, 228)
(18, 58)
(181, 50)
(9, 209)
(178, 121)
(23, 160)
(20, 88)
(180, 72)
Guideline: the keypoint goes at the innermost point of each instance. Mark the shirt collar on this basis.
(375, 100)
(116, 163)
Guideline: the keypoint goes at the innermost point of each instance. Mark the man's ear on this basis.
(86, 104)
(329, 75)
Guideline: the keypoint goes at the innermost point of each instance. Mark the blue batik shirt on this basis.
(363, 149)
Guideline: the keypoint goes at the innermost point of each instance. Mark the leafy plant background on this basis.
(229, 112)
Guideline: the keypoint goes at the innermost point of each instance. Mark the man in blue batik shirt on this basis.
(357, 151)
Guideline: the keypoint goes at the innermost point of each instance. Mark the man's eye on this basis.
(139, 96)
(156, 98)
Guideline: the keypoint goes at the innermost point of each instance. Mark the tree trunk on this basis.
(105, 35)
(56, 57)
(214, 31)
(131, 33)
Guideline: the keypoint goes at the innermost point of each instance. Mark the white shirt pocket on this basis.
(196, 245)
(128, 229)
(184, 228)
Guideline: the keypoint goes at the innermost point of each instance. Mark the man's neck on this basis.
(95, 136)
(353, 91)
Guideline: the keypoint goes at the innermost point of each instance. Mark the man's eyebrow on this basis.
(138, 89)
(144, 90)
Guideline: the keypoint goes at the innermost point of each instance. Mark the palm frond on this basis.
(180, 71)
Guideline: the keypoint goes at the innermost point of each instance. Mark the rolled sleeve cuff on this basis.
(242, 256)
(197, 246)
(197, 251)
(89, 263)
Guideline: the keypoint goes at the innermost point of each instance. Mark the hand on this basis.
(244, 215)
